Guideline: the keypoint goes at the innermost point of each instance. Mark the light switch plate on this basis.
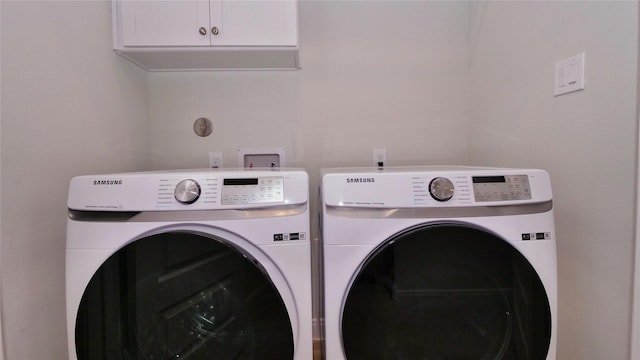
(569, 75)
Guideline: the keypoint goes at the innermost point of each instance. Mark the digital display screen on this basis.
(235, 182)
(488, 179)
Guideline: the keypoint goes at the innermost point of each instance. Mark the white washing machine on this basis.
(200, 264)
(439, 263)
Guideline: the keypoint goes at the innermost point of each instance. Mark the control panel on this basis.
(226, 191)
(485, 188)
(196, 190)
(427, 188)
(189, 190)
(501, 188)
(252, 190)
(435, 187)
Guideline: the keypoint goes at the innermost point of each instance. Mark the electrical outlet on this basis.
(379, 157)
(215, 160)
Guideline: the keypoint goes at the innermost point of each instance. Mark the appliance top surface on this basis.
(433, 186)
(195, 189)
(409, 169)
(218, 171)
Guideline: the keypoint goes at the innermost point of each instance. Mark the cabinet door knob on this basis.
(202, 30)
(215, 30)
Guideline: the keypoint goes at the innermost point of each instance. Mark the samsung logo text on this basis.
(107, 182)
(360, 180)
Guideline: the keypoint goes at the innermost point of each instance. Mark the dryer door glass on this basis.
(446, 292)
(182, 296)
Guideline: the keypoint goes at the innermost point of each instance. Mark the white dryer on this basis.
(200, 264)
(439, 263)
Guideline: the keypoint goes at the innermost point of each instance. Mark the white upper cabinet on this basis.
(201, 34)
(164, 23)
(254, 23)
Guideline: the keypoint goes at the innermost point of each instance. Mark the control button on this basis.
(441, 189)
(187, 191)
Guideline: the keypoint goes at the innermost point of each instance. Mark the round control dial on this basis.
(441, 189)
(187, 191)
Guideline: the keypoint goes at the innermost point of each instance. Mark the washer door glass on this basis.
(182, 296)
(446, 292)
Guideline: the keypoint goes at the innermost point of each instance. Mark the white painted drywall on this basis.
(587, 140)
(1, 331)
(69, 107)
(635, 325)
(375, 74)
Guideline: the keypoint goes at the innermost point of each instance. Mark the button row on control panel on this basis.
(270, 182)
(253, 198)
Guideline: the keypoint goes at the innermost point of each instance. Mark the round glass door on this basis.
(182, 296)
(446, 291)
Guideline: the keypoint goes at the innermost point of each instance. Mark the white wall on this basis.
(69, 107)
(387, 74)
(587, 141)
(1, 333)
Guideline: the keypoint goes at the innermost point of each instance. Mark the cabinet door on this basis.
(165, 23)
(254, 22)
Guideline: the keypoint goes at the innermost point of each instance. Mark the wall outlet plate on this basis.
(379, 157)
(215, 160)
(261, 157)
